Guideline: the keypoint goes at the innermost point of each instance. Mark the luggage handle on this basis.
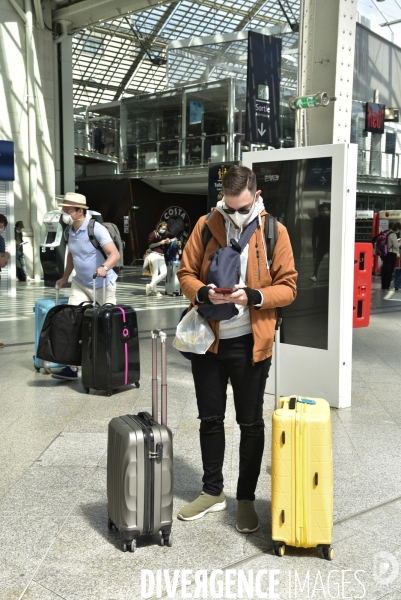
(94, 289)
(277, 364)
(57, 295)
(155, 333)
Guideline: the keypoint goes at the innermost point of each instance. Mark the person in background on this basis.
(4, 256)
(158, 241)
(320, 237)
(19, 245)
(389, 260)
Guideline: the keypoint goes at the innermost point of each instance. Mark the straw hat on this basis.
(73, 200)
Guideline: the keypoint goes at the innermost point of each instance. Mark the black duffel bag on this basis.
(60, 340)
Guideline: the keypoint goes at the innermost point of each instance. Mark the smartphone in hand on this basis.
(223, 290)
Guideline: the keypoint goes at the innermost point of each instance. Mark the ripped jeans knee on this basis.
(212, 424)
(256, 429)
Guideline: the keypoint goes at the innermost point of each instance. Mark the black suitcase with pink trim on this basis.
(110, 348)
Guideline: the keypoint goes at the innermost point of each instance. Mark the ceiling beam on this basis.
(222, 38)
(142, 53)
(103, 86)
(89, 12)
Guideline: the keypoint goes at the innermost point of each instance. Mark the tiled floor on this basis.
(54, 541)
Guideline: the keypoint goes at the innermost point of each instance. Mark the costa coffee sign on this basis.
(178, 222)
(375, 117)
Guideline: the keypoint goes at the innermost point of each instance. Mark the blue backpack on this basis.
(225, 271)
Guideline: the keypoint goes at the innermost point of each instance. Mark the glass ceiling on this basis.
(126, 56)
(118, 58)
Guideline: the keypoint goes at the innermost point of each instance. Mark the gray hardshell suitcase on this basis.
(140, 466)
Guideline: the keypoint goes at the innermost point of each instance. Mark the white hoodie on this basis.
(240, 324)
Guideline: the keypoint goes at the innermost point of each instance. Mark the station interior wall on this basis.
(115, 197)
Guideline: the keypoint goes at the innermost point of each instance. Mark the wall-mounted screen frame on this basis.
(324, 372)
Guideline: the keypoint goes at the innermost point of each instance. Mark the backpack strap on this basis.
(206, 233)
(93, 240)
(271, 235)
(67, 232)
(246, 234)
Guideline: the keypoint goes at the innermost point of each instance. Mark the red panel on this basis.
(363, 263)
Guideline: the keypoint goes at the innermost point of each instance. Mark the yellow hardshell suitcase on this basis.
(302, 472)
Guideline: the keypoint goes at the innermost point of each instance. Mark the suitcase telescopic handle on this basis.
(158, 333)
(94, 289)
(57, 295)
(277, 365)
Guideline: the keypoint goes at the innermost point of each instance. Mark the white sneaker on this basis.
(157, 295)
(313, 278)
(148, 289)
(29, 278)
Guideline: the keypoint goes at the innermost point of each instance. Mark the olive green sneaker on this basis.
(247, 519)
(204, 503)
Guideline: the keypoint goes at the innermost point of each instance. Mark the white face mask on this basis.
(67, 219)
(239, 219)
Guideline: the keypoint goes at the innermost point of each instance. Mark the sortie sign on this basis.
(263, 89)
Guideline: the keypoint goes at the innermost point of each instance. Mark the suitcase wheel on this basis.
(328, 552)
(37, 370)
(129, 546)
(165, 540)
(137, 384)
(279, 549)
(110, 525)
(87, 390)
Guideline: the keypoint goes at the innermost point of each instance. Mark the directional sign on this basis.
(318, 174)
(7, 161)
(263, 89)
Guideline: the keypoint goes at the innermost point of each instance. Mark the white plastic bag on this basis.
(193, 334)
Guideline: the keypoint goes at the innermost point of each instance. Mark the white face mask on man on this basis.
(239, 219)
(67, 219)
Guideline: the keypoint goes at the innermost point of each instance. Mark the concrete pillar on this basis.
(66, 116)
(327, 48)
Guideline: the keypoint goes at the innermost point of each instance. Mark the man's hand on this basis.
(238, 296)
(60, 283)
(216, 298)
(101, 272)
(4, 256)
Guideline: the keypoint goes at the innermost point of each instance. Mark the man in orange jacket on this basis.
(242, 349)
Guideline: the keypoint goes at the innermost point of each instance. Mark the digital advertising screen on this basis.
(298, 194)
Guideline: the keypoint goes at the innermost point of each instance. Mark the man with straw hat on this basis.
(86, 260)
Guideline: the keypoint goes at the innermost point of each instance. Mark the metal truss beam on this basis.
(222, 38)
(130, 72)
(89, 12)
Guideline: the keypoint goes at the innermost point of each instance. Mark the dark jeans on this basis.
(388, 269)
(21, 258)
(211, 373)
(320, 252)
